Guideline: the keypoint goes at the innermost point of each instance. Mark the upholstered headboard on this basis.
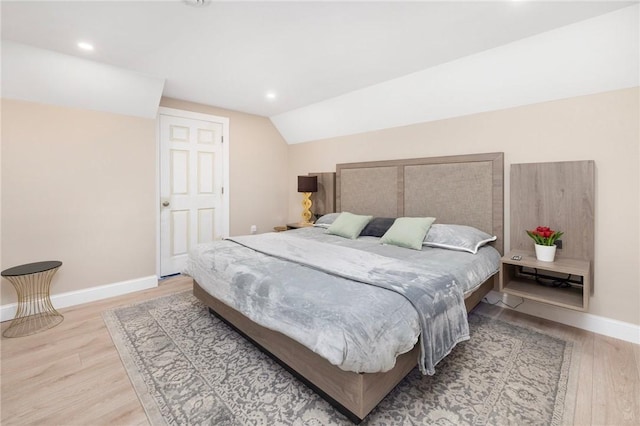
(460, 189)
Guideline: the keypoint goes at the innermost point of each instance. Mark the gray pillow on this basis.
(348, 225)
(408, 232)
(325, 220)
(377, 227)
(457, 237)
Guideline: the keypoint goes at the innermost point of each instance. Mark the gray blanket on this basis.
(436, 298)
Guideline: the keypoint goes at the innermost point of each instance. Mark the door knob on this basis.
(165, 204)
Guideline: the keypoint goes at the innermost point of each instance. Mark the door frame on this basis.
(225, 168)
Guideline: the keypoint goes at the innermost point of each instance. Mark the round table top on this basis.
(31, 268)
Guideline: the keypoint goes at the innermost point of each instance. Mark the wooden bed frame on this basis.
(459, 180)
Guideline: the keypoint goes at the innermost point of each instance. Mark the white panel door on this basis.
(191, 187)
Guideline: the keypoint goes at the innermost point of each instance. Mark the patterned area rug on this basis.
(190, 368)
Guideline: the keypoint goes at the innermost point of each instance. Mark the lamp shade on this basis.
(307, 183)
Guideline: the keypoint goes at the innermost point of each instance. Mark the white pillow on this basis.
(326, 220)
(457, 237)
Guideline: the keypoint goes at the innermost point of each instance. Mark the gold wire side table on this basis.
(35, 312)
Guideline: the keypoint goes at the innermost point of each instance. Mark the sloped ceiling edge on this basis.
(44, 76)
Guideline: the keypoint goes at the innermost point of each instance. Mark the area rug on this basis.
(188, 367)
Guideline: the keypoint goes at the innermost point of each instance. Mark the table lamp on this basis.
(307, 185)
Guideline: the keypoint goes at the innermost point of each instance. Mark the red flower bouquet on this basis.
(544, 235)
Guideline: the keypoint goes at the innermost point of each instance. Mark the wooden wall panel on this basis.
(559, 195)
(324, 201)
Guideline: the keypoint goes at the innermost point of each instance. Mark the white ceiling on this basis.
(596, 55)
(230, 54)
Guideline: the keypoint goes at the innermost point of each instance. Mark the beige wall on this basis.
(257, 168)
(80, 186)
(77, 186)
(602, 127)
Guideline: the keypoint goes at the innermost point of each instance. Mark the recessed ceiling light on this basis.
(197, 3)
(271, 95)
(85, 46)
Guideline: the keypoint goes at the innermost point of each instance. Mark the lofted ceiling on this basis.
(230, 54)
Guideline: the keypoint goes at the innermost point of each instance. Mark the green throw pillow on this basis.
(349, 225)
(408, 232)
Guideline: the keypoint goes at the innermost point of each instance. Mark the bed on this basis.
(463, 190)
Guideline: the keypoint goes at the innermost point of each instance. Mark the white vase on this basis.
(545, 253)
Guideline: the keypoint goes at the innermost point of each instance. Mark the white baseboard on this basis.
(86, 295)
(594, 323)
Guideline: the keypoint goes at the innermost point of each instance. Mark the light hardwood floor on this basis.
(72, 374)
